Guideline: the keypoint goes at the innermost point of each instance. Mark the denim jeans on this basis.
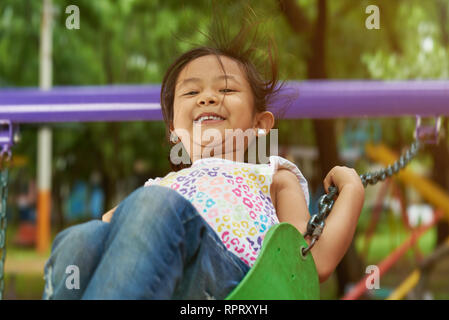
(157, 246)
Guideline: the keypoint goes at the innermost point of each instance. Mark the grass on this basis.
(384, 243)
(28, 285)
(23, 286)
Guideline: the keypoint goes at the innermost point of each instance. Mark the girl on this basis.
(196, 232)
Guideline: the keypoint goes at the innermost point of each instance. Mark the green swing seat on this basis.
(280, 272)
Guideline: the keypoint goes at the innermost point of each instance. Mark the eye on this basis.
(191, 93)
(227, 90)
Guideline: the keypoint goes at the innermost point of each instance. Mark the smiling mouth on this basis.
(208, 120)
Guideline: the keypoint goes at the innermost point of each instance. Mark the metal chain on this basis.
(406, 157)
(316, 223)
(3, 219)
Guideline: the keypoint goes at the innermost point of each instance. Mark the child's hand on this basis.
(108, 215)
(342, 221)
(341, 177)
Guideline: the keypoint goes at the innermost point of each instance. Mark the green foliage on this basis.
(134, 41)
(19, 42)
(423, 55)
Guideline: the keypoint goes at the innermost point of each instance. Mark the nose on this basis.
(207, 99)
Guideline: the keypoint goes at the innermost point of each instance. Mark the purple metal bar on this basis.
(6, 138)
(308, 99)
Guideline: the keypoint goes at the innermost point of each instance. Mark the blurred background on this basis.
(96, 165)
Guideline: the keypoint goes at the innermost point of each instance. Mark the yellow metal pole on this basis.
(409, 283)
(406, 286)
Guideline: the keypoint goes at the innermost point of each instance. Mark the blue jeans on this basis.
(157, 246)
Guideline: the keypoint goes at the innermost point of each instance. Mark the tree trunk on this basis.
(350, 268)
(440, 174)
(440, 153)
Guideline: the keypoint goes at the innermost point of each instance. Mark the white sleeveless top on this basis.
(233, 198)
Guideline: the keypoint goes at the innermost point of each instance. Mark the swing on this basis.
(296, 277)
(284, 270)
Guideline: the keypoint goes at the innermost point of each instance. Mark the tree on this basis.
(422, 53)
(349, 269)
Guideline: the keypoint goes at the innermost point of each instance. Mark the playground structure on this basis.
(431, 192)
(318, 99)
(129, 103)
(434, 195)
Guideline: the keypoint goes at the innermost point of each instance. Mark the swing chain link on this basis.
(316, 222)
(374, 177)
(4, 165)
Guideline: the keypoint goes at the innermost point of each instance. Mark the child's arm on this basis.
(108, 215)
(340, 224)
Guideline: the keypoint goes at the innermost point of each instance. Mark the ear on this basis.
(264, 120)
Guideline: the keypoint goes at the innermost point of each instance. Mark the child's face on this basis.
(199, 89)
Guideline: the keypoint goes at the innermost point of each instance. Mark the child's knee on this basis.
(148, 201)
(154, 196)
(81, 235)
(150, 207)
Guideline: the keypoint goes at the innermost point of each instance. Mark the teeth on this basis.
(208, 118)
